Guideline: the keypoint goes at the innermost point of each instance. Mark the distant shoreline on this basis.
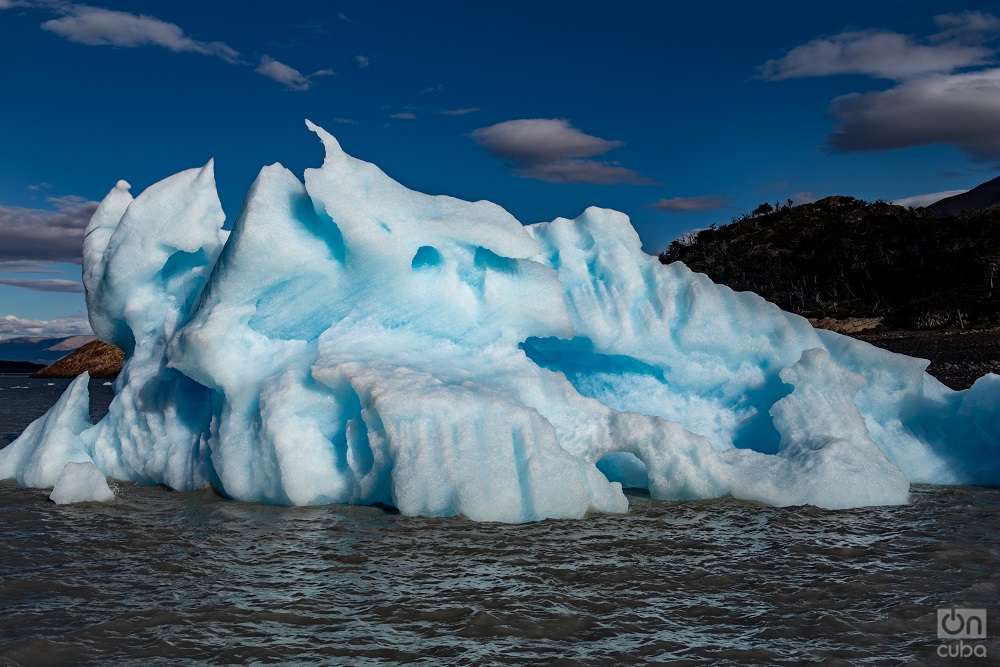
(19, 367)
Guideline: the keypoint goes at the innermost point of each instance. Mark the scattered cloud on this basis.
(947, 88)
(25, 266)
(345, 121)
(804, 197)
(12, 326)
(583, 171)
(403, 115)
(436, 88)
(54, 234)
(962, 110)
(287, 75)
(464, 111)
(875, 53)
(690, 204)
(95, 26)
(968, 25)
(551, 149)
(541, 140)
(39, 187)
(918, 201)
(344, 17)
(44, 284)
(362, 61)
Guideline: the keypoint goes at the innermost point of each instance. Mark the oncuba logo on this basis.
(956, 625)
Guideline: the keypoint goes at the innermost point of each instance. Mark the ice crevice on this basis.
(349, 340)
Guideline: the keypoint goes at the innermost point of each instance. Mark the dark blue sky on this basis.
(676, 91)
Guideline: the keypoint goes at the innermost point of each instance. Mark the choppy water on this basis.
(165, 578)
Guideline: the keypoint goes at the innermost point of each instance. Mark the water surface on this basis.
(158, 577)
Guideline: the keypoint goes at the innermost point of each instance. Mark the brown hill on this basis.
(101, 359)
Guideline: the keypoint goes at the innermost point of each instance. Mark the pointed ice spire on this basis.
(95, 244)
(330, 143)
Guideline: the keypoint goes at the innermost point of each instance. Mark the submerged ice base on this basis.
(353, 341)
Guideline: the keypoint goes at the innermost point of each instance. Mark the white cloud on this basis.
(403, 115)
(689, 204)
(12, 326)
(362, 61)
(947, 90)
(966, 25)
(874, 53)
(287, 75)
(464, 111)
(54, 234)
(25, 266)
(551, 149)
(582, 171)
(962, 110)
(918, 201)
(95, 26)
(44, 284)
(804, 197)
(541, 140)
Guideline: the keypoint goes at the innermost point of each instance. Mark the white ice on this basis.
(353, 341)
(80, 483)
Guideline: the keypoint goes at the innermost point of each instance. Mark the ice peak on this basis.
(206, 175)
(330, 143)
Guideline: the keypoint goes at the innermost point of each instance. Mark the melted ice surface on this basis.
(354, 341)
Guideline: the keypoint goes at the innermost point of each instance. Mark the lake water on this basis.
(158, 577)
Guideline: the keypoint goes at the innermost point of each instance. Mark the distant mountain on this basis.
(18, 367)
(101, 359)
(40, 350)
(979, 197)
(845, 258)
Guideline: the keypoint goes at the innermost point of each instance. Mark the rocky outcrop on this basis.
(97, 357)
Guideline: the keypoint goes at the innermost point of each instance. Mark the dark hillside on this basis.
(842, 257)
(18, 367)
(978, 198)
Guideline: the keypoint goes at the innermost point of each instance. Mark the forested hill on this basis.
(842, 257)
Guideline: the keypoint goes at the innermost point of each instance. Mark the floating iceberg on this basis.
(353, 341)
(80, 483)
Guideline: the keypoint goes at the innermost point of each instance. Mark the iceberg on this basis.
(348, 340)
(81, 483)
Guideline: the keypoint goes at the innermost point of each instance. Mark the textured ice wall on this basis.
(353, 341)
